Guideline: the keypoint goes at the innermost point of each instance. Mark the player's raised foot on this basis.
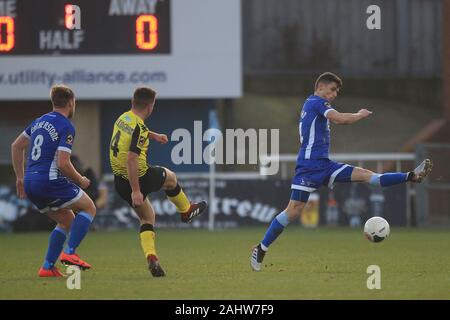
(257, 257)
(155, 268)
(47, 273)
(421, 171)
(195, 210)
(73, 260)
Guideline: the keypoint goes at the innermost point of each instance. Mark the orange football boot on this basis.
(53, 272)
(74, 260)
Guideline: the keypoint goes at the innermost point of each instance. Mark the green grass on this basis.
(303, 264)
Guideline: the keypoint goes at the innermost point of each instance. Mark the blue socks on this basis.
(55, 246)
(276, 227)
(80, 227)
(388, 179)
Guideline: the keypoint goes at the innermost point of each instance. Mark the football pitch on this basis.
(303, 264)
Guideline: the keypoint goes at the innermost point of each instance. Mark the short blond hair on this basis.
(61, 95)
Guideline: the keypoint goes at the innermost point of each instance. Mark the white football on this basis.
(376, 229)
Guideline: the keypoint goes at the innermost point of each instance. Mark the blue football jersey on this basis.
(48, 134)
(314, 129)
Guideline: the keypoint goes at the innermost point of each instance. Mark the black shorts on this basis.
(151, 181)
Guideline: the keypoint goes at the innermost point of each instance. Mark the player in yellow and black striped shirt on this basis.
(134, 178)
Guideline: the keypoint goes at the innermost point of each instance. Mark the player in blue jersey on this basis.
(49, 141)
(314, 168)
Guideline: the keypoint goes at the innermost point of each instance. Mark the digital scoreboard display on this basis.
(72, 27)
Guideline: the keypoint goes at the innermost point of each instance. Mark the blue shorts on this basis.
(310, 175)
(52, 195)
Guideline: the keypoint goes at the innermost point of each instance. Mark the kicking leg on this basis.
(176, 195)
(390, 179)
(146, 216)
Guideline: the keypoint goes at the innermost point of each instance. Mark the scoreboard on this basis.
(104, 49)
(42, 27)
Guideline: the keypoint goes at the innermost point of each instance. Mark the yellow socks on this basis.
(179, 199)
(147, 239)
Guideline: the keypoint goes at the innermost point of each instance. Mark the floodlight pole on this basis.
(212, 193)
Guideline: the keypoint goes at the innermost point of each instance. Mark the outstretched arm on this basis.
(161, 138)
(347, 118)
(18, 154)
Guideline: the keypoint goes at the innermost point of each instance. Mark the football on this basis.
(376, 229)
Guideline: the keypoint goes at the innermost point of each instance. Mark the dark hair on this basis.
(328, 77)
(61, 95)
(142, 97)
